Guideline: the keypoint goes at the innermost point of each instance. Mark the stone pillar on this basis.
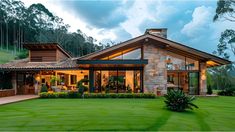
(155, 74)
(202, 78)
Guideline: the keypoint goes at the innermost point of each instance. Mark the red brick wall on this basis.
(8, 92)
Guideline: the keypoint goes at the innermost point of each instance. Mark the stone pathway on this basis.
(16, 98)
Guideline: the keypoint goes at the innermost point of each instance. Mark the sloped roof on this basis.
(24, 64)
(52, 45)
(168, 44)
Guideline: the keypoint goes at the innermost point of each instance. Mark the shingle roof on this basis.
(24, 64)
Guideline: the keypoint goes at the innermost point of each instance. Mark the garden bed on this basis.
(95, 95)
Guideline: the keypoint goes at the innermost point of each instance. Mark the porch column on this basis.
(203, 85)
(91, 80)
(13, 81)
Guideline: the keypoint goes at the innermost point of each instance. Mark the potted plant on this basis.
(53, 81)
(128, 89)
(158, 92)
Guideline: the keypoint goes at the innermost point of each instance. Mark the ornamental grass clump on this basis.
(176, 100)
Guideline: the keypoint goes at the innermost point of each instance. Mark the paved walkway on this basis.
(16, 98)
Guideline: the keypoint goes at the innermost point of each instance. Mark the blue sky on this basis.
(188, 21)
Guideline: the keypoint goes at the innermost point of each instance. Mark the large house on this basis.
(148, 63)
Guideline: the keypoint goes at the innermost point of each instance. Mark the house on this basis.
(147, 63)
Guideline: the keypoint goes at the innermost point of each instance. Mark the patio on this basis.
(16, 98)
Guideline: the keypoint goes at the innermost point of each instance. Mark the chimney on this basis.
(161, 32)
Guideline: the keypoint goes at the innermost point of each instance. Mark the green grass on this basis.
(215, 113)
(6, 57)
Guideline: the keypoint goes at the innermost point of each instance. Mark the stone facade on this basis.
(203, 85)
(155, 73)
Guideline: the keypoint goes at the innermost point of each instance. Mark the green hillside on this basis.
(6, 57)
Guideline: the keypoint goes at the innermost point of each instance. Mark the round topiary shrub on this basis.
(176, 100)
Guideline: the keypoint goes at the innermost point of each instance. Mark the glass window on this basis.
(175, 62)
(134, 54)
(121, 81)
(192, 64)
(73, 79)
(97, 82)
(178, 62)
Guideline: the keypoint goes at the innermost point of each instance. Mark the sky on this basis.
(189, 22)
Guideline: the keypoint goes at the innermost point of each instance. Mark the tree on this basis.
(36, 23)
(226, 10)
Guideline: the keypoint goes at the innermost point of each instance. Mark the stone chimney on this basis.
(161, 32)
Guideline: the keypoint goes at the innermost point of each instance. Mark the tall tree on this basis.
(226, 11)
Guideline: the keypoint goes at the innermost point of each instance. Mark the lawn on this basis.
(215, 113)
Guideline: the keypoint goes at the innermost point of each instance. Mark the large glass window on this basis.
(118, 81)
(126, 55)
(178, 62)
(185, 81)
(193, 83)
(192, 64)
(134, 54)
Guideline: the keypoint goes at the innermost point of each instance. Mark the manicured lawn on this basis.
(215, 113)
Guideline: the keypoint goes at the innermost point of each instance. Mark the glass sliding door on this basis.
(117, 81)
(186, 81)
(121, 80)
(193, 83)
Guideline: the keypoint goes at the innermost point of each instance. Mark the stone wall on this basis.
(7, 92)
(203, 85)
(155, 74)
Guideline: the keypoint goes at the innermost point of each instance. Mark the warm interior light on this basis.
(211, 63)
(38, 78)
(203, 77)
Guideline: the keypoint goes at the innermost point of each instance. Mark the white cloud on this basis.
(141, 11)
(201, 18)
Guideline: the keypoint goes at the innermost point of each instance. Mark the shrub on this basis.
(22, 55)
(81, 87)
(178, 101)
(43, 95)
(74, 94)
(209, 90)
(44, 88)
(62, 94)
(227, 92)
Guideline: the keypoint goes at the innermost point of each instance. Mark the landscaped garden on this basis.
(214, 113)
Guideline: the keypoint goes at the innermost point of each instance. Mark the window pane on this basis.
(97, 82)
(135, 54)
(73, 79)
(175, 62)
(192, 64)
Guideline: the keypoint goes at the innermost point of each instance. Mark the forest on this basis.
(20, 24)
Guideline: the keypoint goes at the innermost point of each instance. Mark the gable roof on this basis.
(166, 43)
(38, 45)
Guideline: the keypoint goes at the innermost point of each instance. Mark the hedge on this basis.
(95, 95)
